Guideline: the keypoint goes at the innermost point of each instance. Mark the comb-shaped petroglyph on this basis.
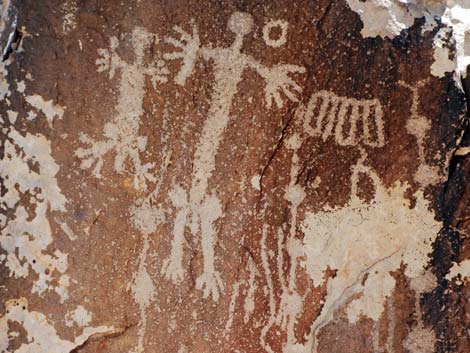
(229, 64)
(122, 132)
(349, 121)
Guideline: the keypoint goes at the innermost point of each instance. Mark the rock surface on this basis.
(234, 176)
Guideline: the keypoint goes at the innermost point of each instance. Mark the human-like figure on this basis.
(122, 132)
(229, 65)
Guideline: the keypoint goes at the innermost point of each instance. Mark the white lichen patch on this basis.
(457, 17)
(461, 269)
(12, 116)
(363, 243)
(443, 63)
(48, 108)
(79, 316)
(28, 170)
(387, 18)
(21, 152)
(122, 132)
(42, 337)
(4, 336)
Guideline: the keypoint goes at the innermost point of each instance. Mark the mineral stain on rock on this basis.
(201, 176)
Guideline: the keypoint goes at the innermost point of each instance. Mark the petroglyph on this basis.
(172, 266)
(231, 310)
(147, 216)
(349, 121)
(229, 64)
(251, 238)
(282, 38)
(419, 126)
(291, 304)
(122, 133)
(249, 303)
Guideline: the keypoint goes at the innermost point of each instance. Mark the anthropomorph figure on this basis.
(122, 132)
(203, 203)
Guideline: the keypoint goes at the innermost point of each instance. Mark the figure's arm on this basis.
(190, 45)
(278, 80)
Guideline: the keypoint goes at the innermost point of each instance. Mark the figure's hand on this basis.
(93, 155)
(172, 268)
(189, 45)
(278, 80)
(158, 73)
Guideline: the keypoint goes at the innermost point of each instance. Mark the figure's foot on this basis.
(211, 284)
(172, 269)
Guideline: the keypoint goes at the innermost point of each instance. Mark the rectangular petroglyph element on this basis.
(349, 121)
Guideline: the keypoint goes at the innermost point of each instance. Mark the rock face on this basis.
(205, 176)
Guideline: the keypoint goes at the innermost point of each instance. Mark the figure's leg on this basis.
(210, 281)
(173, 265)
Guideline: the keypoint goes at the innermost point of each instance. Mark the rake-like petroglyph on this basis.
(122, 133)
(229, 64)
(349, 121)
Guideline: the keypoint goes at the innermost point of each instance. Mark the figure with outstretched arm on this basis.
(229, 65)
(121, 133)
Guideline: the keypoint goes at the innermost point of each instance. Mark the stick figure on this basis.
(229, 64)
(122, 133)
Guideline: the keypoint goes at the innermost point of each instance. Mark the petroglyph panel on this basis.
(203, 176)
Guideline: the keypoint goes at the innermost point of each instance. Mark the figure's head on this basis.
(142, 37)
(240, 23)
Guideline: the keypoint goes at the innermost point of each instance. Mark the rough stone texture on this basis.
(234, 176)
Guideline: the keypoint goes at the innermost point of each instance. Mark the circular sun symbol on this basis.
(282, 38)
